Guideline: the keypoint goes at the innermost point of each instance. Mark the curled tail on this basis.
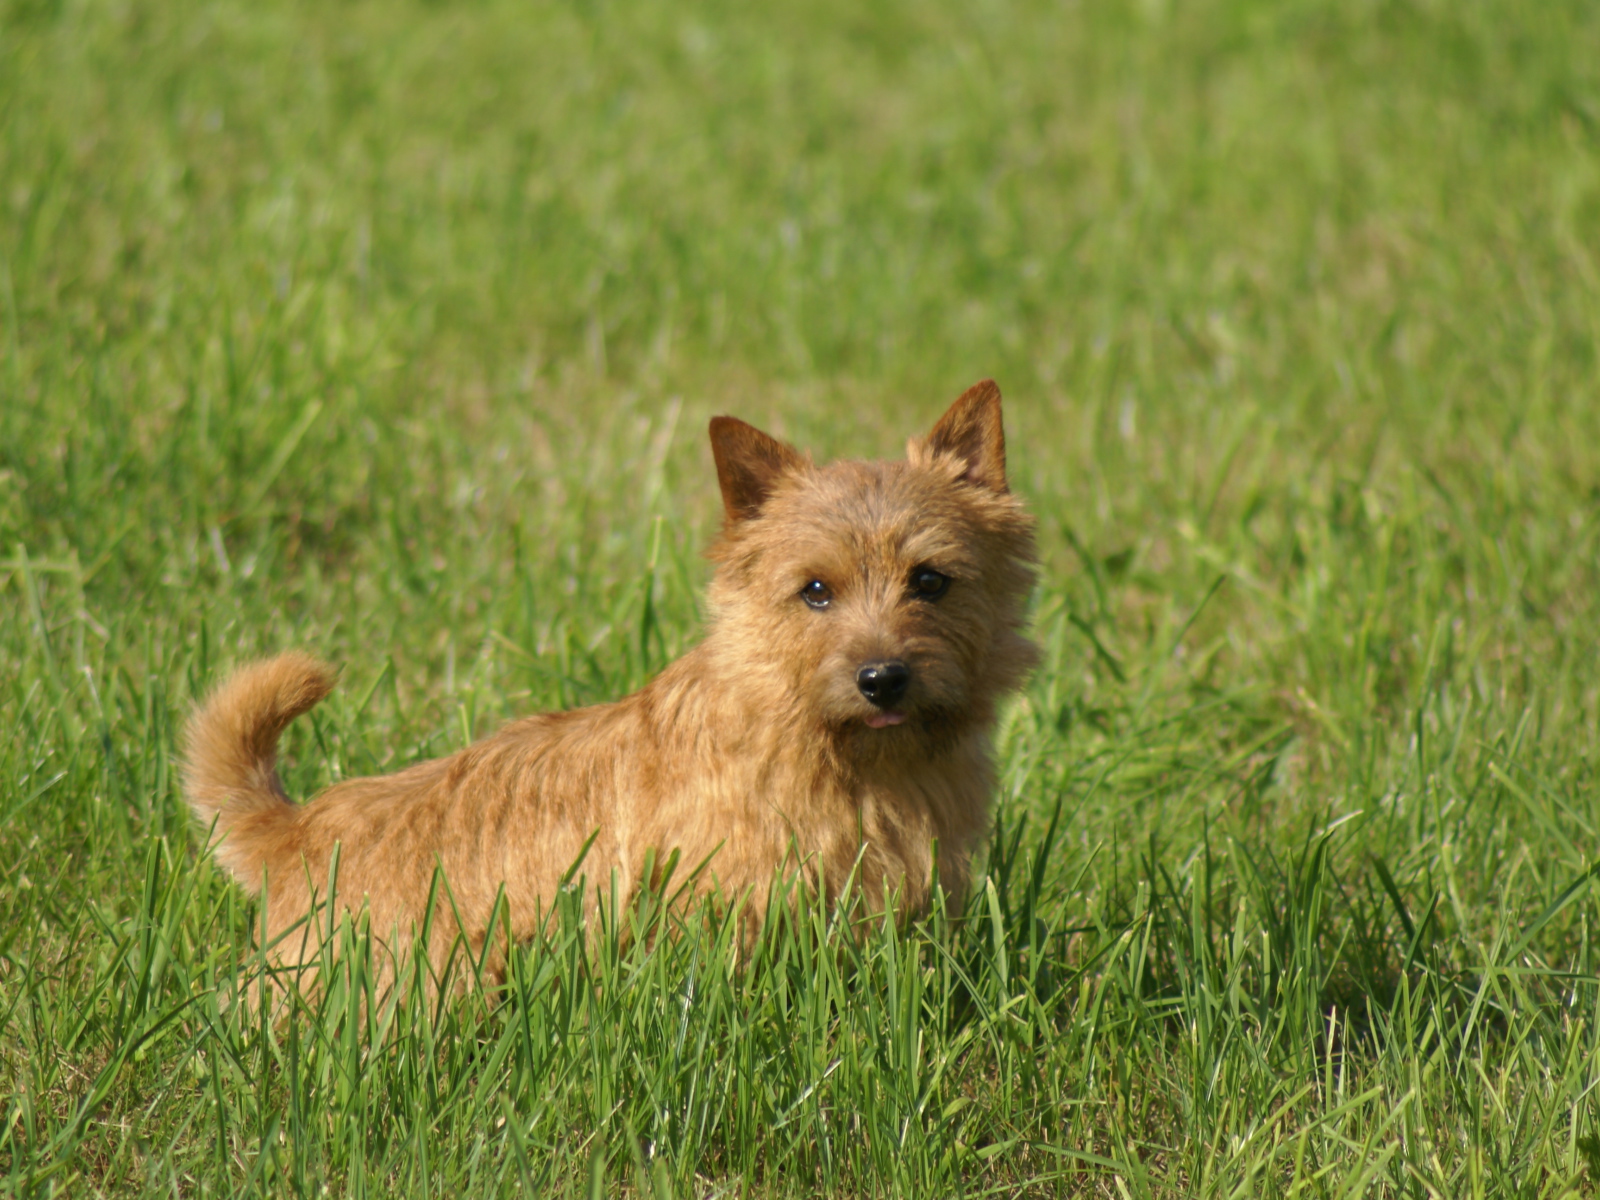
(231, 750)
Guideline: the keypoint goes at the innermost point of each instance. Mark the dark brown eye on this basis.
(928, 584)
(816, 594)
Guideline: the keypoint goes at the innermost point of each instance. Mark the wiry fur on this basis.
(752, 750)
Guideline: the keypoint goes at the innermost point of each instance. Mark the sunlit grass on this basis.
(391, 331)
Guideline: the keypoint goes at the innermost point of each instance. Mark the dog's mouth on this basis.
(882, 720)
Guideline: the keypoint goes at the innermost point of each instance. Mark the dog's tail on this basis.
(231, 750)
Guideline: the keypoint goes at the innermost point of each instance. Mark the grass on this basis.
(390, 330)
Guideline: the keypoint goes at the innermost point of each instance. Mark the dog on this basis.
(866, 620)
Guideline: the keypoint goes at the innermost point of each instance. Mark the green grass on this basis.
(390, 330)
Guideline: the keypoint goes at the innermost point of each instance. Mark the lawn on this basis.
(390, 330)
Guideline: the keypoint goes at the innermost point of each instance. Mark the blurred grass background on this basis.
(390, 330)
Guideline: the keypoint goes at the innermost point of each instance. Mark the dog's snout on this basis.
(883, 683)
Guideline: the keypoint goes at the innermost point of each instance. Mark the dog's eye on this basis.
(816, 594)
(928, 584)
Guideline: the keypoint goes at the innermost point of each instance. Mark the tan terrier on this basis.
(866, 620)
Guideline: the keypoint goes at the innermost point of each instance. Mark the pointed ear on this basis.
(971, 431)
(749, 465)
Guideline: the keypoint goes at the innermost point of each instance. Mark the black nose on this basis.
(883, 682)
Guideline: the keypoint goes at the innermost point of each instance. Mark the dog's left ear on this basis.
(971, 431)
(749, 465)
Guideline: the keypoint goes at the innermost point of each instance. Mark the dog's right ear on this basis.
(972, 433)
(749, 465)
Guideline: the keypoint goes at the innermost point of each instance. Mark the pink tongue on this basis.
(879, 720)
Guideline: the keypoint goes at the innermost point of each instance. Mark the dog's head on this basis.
(881, 600)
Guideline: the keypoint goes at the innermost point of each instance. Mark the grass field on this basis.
(390, 330)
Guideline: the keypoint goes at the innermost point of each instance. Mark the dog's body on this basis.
(866, 621)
